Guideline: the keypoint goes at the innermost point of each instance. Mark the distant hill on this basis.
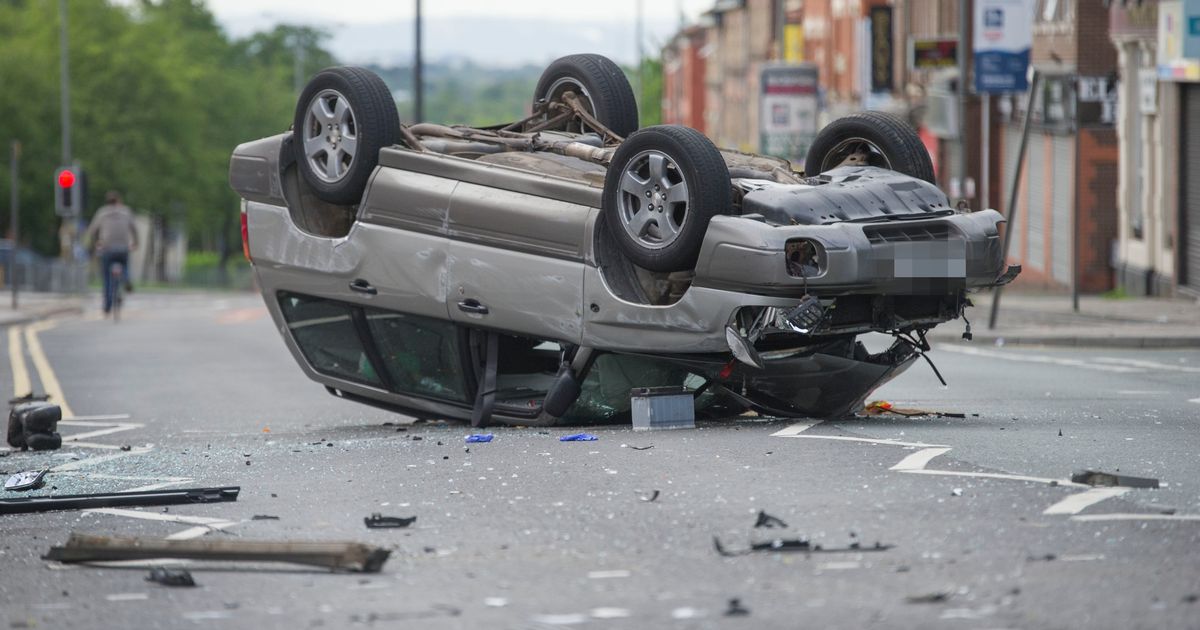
(464, 92)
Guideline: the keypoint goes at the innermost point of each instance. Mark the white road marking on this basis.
(887, 442)
(981, 475)
(1150, 365)
(92, 461)
(159, 516)
(1039, 358)
(160, 485)
(16, 356)
(1135, 517)
(102, 417)
(918, 460)
(110, 428)
(1077, 503)
(1140, 392)
(126, 597)
(1195, 400)
(796, 429)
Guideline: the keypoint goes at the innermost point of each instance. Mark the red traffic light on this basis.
(66, 179)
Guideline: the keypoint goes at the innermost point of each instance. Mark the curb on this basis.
(1075, 341)
(26, 318)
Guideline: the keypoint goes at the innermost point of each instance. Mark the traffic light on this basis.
(69, 191)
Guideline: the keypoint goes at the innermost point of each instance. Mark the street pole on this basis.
(418, 82)
(1075, 210)
(985, 157)
(64, 82)
(964, 43)
(641, 55)
(1009, 225)
(15, 220)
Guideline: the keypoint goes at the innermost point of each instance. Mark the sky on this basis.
(499, 32)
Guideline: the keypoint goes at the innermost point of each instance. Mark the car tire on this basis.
(600, 82)
(676, 175)
(890, 142)
(343, 117)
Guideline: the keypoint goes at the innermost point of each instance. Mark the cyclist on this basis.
(112, 235)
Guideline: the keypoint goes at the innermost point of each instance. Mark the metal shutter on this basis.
(1189, 200)
(1063, 178)
(1036, 166)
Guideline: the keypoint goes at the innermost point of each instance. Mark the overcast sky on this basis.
(506, 32)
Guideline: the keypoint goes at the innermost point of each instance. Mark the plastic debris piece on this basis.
(170, 577)
(641, 448)
(578, 437)
(495, 602)
(883, 407)
(766, 520)
(935, 597)
(1097, 478)
(787, 545)
(379, 521)
(956, 492)
(27, 480)
(479, 438)
(651, 497)
(736, 609)
(264, 517)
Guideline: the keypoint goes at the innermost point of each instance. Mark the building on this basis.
(1158, 246)
(684, 60)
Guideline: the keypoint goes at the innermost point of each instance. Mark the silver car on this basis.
(533, 273)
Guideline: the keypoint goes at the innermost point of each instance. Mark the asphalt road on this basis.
(531, 532)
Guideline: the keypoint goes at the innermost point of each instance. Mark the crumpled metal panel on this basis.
(854, 193)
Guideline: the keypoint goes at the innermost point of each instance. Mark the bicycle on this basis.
(116, 285)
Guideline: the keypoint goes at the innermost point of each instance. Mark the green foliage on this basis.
(159, 98)
(650, 100)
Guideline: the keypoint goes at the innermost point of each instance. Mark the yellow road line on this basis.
(45, 372)
(16, 356)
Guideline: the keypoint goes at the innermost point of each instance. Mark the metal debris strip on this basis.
(379, 521)
(170, 577)
(1097, 478)
(935, 597)
(27, 480)
(766, 520)
(332, 555)
(25, 505)
(791, 545)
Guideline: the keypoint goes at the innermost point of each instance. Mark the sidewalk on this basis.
(1041, 319)
(35, 306)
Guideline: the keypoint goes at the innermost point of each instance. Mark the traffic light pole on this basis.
(15, 220)
(64, 82)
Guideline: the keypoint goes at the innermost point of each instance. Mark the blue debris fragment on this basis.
(479, 437)
(578, 437)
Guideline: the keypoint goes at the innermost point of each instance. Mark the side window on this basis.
(421, 355)
(525, 371)
(327, 337)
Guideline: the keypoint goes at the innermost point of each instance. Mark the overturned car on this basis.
(532, 273)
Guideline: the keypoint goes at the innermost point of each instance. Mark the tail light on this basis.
(245, 234)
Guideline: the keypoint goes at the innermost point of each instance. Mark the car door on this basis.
(516, 262)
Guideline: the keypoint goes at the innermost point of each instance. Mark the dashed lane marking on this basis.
(920, 459)
(1149, 365)
(795, 429)
(985, 475)
(109, 428)
(1077, 503)
(1044, 359)
(885, 442)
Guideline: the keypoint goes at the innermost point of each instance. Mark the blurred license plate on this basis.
(931, 259)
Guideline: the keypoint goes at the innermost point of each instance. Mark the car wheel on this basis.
(343, 117)
(663, 186)
(601, 86)
(870, 139)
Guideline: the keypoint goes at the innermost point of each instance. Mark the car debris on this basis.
(379, 521)
(766, 520)
(264, 517)
(803, 545)
(28, 480)
(578, 437)
(883, 407)
(479, 438)
(658, 408)
(25, 505)
(170, 577)
(29, 397)
(333, 555)
(638, 448)
(1097, 478)
(34, 425)
(936, 597)
(651, 497)
(736, 609)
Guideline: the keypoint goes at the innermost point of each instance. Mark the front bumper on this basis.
(935, 256)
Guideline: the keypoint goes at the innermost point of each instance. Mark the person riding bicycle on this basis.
(112, 235)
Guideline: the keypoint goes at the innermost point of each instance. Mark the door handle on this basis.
(362, 286)
(472, 306)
